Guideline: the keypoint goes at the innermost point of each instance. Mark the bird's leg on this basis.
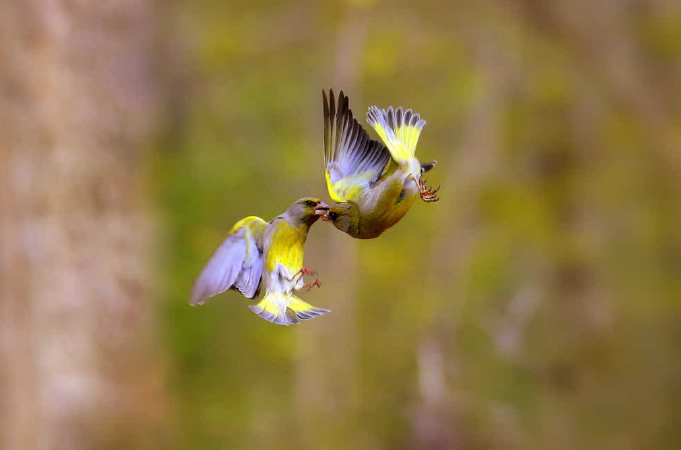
(427, 193)
(304, 271)
(301, 274)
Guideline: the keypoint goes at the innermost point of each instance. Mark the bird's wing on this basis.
(237, 263)
(398, 129)
(353, 161)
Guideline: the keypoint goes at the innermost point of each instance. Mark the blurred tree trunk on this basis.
(77, 104)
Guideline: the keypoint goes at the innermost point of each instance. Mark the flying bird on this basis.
(258, 254)
(373, 183)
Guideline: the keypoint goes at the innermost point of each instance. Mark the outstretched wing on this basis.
(236, 264)
(353, 161)
(398, 129)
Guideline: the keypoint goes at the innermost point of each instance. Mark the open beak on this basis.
(322, 209)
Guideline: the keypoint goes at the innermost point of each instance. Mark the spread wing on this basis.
(236, 264)
(353, 161)
(398, 129)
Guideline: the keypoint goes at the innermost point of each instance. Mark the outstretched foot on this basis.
(301, 274)
(304, 271)
(309, 286)
(428, 194)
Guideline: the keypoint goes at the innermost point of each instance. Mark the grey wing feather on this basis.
(348, 150)
(248, 282)
(237, 263)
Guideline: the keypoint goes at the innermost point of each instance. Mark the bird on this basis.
(373, 183)
(258, 254)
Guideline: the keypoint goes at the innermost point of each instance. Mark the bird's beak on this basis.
(321, 209)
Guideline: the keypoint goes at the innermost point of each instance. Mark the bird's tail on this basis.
(285, 309)
(425, 167)
(399, 130)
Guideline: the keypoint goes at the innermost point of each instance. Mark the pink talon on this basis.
(309, 286)
(427, 193)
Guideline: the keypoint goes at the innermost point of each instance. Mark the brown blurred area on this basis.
(79, 103)
(536, 306)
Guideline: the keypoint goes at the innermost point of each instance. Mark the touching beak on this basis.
(321, 209)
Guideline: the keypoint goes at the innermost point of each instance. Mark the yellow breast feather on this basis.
(287, 247)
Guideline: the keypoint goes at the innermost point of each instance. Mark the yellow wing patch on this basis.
(335, 191)
(350, 188)
(253, 224)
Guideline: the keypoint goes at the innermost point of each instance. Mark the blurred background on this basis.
(536, 306)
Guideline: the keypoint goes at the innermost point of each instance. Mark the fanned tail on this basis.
(284, 309)
(399, 130)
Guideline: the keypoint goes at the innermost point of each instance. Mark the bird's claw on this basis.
(430, 199)
(301, 274)
(427, 193)
(309, 286)
(305, 271)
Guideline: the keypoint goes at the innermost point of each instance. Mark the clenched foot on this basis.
(427, 193)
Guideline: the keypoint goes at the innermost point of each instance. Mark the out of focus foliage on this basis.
(537, 305)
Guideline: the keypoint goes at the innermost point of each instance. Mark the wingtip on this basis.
(343, 102)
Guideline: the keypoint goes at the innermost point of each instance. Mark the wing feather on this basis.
(354, 162)
(237, 263)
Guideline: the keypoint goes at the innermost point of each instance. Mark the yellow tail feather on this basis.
(399, 130)
(284, 309)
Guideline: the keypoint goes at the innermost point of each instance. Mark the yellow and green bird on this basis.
(373, 183)
(259, 254)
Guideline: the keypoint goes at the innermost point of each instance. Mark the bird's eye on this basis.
(310, 203)
(333, 215)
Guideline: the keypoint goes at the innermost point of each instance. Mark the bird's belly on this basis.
(385, 211)
(393, 215)
(279, 282)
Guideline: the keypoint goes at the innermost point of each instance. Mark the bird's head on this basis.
(307, 210)
(344, 216)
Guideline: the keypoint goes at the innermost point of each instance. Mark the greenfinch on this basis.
(263, 254)
(373, 183)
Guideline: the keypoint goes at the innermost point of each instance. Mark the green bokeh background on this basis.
(535, 306)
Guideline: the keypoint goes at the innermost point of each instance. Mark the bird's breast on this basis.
(287, 247)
